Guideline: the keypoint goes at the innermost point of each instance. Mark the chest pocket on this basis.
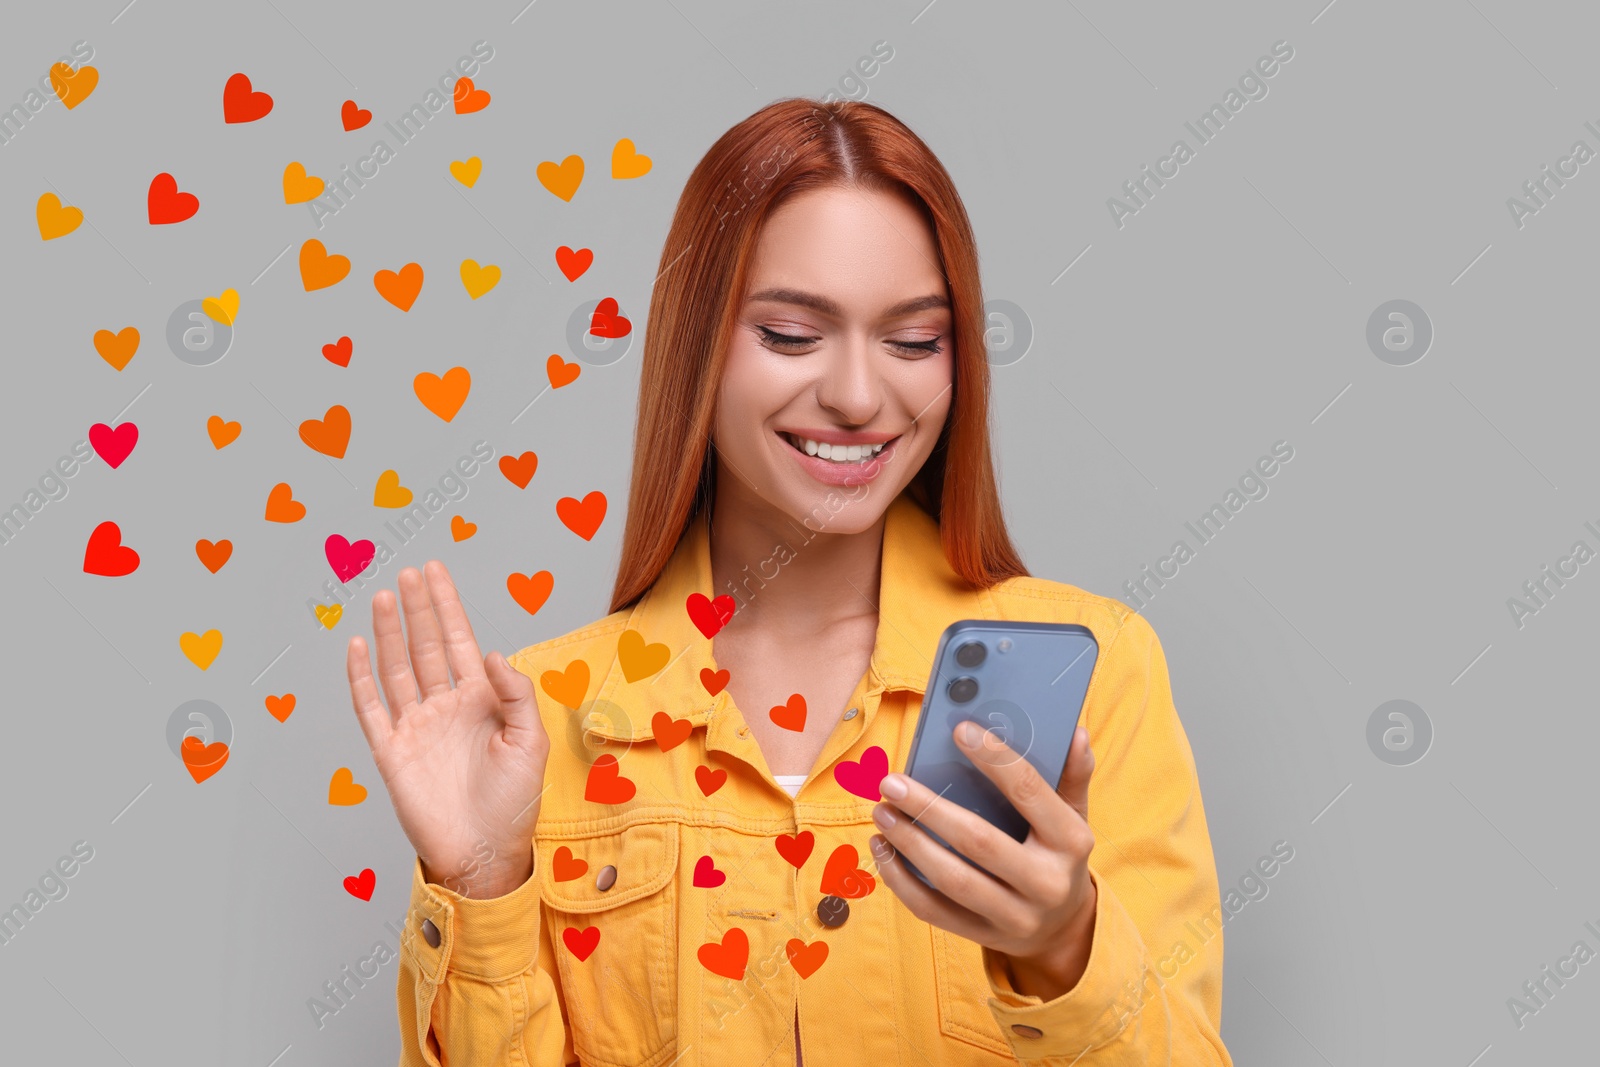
(963, 994)
(622, 999)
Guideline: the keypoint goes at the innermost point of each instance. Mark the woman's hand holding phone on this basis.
(464, 764)
(1038, 908)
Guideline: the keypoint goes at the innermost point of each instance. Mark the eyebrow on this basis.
(826, 306)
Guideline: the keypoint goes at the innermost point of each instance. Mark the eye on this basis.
(929, 347)
(774, 339)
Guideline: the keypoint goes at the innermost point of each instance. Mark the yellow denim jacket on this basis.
(522, 979)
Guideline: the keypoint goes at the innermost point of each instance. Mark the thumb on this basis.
(515, 691)
(1074, 786)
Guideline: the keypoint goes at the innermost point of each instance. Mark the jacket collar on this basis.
(919, 595)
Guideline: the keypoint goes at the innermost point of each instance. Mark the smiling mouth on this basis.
(844, 455)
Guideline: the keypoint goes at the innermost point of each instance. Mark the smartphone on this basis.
(1026, 682)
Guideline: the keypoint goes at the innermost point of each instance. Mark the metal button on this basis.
(1023, 1030)
(851, 713)
(430, 933)
(833, 911)
(606, 878)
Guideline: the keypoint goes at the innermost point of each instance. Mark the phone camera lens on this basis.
(971, 654)
(963, 690)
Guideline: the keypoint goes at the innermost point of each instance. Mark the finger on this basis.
(936, 906)
(1033, 797)
(1074, 787)
(460, 645)
(515, 691)
(394, 666)
(965, 885)
(970, 833)
(376, 725)
(423, 636)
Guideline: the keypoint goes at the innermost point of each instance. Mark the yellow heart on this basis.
(467, 173)
(329, 616)
(73, 87)
(563, 179)
(223, 308)
(55, 220)
(201, 649)
(343, 788)
(626, 163)
(390, 493)
(478, 280)
(298, 186)
(638, 659)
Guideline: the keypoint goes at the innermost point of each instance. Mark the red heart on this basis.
(111, 445)
(519, 469)
(709, 780)
(582, 517)
(241, 104)
(107, 555)
(346, 559)
(862, 778)
(842, 878)
(670, 732)
(710, 616)
(573, 264)
(791, 716)
(706, 875)
(339, 352)
(605, 322)
(728, 958)
(714, 681)
(361, 885)
(354, 117)
(581, 942)
(796, 848)
(166, 204)
(606, 784)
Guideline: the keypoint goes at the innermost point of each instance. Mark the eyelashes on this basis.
(787, 342)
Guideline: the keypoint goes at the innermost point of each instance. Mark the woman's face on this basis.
(838, 375)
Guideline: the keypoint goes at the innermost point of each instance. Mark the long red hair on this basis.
(785, 148)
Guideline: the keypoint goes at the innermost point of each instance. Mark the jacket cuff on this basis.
(493, 940)
(1091, 1013)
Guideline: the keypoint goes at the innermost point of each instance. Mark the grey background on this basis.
(1226, 315)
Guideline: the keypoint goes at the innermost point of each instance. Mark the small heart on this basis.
(354, 117)
(343, 789)
(469, 98)
(562, 178)
(106, 555)
(863, 778)
(478, 280)
(796, 848)
(581, 942)
(519, 470)
(282, 506)
(223, 308)
(605, 784)
(560, 372)
(55, 220)
(361, 885)
(640, 660)
(466, 171)
(709, 780)
(400, 289)
(221, 432)
(329, 614)
(200, 759)
(339, 352)
(280, 707)
(574, 264)
(318, 269)
(710, 616)
(240, 103)
(443, 396)
(346, 559)
(330, 434)
(669, 732)
(113, 445)
(390, 493)
(213, 555)
(728, 958)
(582, 517)
(117, 348)
(628, 163)
(530, 590)
(201, 649)
(564, 868)
(461, 529)
(714, 681)
(569, 686)
(706, 875)
(606, 322)
(842, 878)
(73, 86)
(792, 715)
(806, 958)
(300, 187)
(165, 204)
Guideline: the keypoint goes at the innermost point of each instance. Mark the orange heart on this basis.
(469, 98)
(714, 681)
(806, 958)
(213, 555)
(670, 732)
(117, 348)
(222, 433)
(573, 264)
(342, 789)
(564, 868)
(330, 434)
(400, 289)
(519, 470)
(627, 162)
(709, 780)
(200, 759)
(318, 269)
(606, 785)
(582, 517)
(443, 396)
(638, 659)
(791, 716)
(561, 372)
(73, 86)
(530, 591)
(282, 506)
(280, 707)
(842, 878)
(461, 529)
(567, 687)
(728, 958)
(561, 179)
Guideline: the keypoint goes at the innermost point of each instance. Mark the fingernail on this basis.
(893, 787)
(971, 733)
(883, 816)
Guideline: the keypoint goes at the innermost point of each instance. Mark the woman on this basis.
(811, 451)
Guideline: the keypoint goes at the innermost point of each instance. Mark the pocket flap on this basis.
(645, 856)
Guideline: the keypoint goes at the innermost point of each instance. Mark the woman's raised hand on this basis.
(464, 765)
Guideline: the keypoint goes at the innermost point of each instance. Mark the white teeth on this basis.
(835, 453)
(811, 448)
(825, 450)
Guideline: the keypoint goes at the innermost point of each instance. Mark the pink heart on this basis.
(349, 560)
(706, 875)
(862, 778)
(111, 445)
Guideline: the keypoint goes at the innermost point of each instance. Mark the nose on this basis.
(851, 385)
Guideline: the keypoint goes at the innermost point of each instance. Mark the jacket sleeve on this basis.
(1151, 992)
(486, 995)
